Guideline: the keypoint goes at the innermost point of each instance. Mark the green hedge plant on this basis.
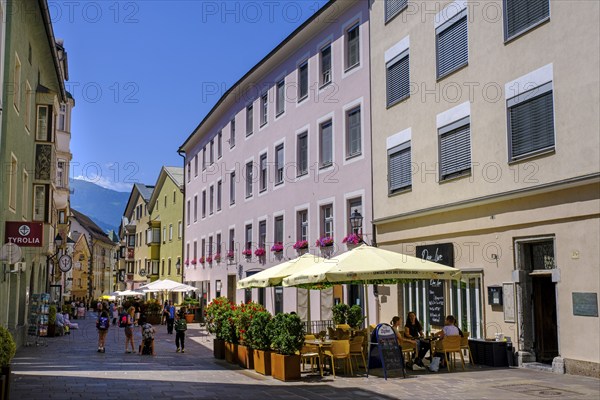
(8, 347)
(340, 312)
(259, 336)
(287, 333)
(355, 316)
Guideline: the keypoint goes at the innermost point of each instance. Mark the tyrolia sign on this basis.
(25, 234)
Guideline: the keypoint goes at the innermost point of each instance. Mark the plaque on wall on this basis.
(585, 304)
(508, 299)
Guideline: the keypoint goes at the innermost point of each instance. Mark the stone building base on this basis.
(585, 368)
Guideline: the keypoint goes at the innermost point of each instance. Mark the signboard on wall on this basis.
(441, 253)
(24, 234)
(435, 298)
(585, 304)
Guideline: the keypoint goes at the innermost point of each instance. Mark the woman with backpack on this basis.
(180, 328)
(129, 329)
(102, 325)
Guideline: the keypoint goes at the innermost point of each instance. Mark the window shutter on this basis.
(531, 125)
(452, 47)
(399, 168)
(398, 81)
(520, 14)
(326, 145)
(393, 7)
(354, 132)
(455, 151)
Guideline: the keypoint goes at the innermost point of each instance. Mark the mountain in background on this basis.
(104, 206)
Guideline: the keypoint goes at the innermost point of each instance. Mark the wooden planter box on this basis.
(4, 383)
(219, 349)
(231, 352)
(285, 368)
(262, 362)
(153, 318)
(245, 357)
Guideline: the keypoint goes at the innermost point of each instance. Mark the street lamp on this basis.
(356, 221)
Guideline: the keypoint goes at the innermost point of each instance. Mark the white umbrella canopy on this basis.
(160, 285)
(184, 288)
(368, 264)
(128, 293)
(274, 276)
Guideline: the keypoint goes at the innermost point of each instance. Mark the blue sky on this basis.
(143, 74)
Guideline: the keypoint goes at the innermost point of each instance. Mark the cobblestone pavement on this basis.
(70, 368)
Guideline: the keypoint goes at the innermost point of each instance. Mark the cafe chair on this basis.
(464, 345)
(340, 350)
(451, 345)
(310, 353)
(357, 349)
(310, 337)
(409, 348)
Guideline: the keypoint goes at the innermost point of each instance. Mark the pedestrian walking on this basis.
(115, 314)
(129, 330)
(102, 324)
(180, 328)
(170, 318)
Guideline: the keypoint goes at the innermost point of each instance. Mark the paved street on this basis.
(70, 368)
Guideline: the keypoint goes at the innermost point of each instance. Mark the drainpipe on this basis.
(182, 155)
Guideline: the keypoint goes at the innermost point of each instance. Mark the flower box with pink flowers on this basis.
(277, 248)
(324, 241)
(259, 252)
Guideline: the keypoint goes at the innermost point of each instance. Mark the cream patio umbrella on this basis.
(367, 264)
(274, 276)
(160, 285)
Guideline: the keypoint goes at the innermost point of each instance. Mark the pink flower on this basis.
(194, 261)
(259, 252)
(301, 244)
(277, 247)
(324, 241)
(353, 238)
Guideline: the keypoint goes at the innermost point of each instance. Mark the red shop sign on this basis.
(25, 234)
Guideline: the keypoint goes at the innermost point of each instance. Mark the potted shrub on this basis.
(355, 317)
(8, 349)
(228, 334)
(287, 338)
(243, 315)
(191, 305)
(340, 313)
(52, 321)
(153, 310)
(215, 315)
(260, 341)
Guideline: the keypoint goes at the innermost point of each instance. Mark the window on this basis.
(263, 172)
(60, 174)
(249, 120)
(325, 65)
(170, 232)
(43, 131)
(455, 149)
(62, 217)
(302, 156)
(220, 144)
(248, 237)
(28, 94)
(264, 108)
(169, 267)
(353, 135)
(62, 117)
(398, 79)
(212, 152)
(165, 201)
(278, 229)
(393, 7)
(520, 16)
(219, 194)
(218, 243)
(203, 248)
(452, 44)
(302, 221)
(39, 203)
(232, 188)
(204, 204)
(210, 246)
(399, 168)
(327, 220)
(232, 239)
(326, 144)
(203, 158)
(17, 84)
(174, 196)
(249, 179)
(279, 164)
(156, 204)
(13, 183)
(211, 200)
(195, 208)
(354, 205)
(195, 250)
(189, 171)
(353, 46)
(25, 194)
(188, 212)
(179, 230)
(303, 81)
(262, 234)
(280, 98)
(164, 236)
(531, 122)
(232, 134)
(131, 240)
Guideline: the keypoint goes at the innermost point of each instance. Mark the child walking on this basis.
(102, 325)
(180, 328)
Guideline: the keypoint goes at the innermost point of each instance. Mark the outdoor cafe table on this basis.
(321, 344)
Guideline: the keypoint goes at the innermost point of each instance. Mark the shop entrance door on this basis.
(545, 319)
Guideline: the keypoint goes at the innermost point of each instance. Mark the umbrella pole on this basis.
(308, 327)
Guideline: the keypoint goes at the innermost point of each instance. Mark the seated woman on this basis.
(449, 329)
(147, 346)
(414, 331)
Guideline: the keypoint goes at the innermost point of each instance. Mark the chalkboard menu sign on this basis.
(436, 302)
(441, 253)
(389, 351)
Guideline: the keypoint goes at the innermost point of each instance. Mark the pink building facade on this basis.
(284, 157)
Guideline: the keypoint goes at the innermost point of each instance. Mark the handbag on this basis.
(435, 364)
